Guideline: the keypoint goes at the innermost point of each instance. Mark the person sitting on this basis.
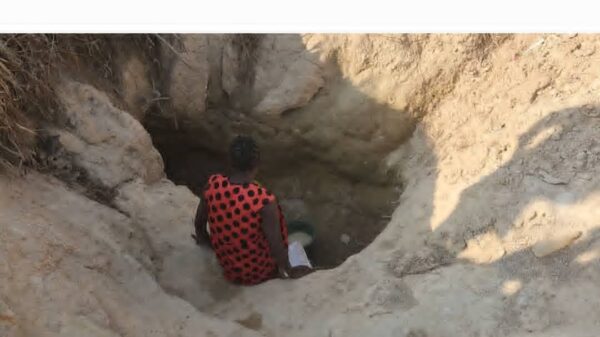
(246, 227)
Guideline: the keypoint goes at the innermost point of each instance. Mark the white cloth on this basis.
(297, 255)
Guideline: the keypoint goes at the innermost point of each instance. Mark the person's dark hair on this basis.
(244, 153)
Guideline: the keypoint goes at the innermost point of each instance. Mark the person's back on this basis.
(246, 230)
(236, 235)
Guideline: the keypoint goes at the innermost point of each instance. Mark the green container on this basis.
(301, 231)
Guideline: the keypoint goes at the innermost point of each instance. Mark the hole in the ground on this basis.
(347, 214)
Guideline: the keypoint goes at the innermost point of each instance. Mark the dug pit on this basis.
(346, 212)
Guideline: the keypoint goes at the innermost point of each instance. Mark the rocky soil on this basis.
(492, 143)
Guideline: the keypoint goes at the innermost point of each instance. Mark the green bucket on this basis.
(301, 231)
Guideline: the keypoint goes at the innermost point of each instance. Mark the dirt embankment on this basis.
(491, 140)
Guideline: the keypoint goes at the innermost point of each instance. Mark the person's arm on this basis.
(200, 221)
(270, 225)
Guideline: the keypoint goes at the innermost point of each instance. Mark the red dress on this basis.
(236, 233)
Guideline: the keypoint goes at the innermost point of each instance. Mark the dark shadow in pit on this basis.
(336, 187)
(308, 191)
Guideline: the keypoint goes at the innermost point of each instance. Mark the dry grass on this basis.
(29, 64)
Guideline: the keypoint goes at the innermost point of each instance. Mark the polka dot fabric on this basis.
(235, 228)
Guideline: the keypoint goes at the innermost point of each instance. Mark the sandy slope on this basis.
(495, 233)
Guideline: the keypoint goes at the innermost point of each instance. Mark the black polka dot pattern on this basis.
(236, 235)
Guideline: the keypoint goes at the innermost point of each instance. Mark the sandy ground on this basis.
(495, 233)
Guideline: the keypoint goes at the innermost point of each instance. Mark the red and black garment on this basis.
(235, 229)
